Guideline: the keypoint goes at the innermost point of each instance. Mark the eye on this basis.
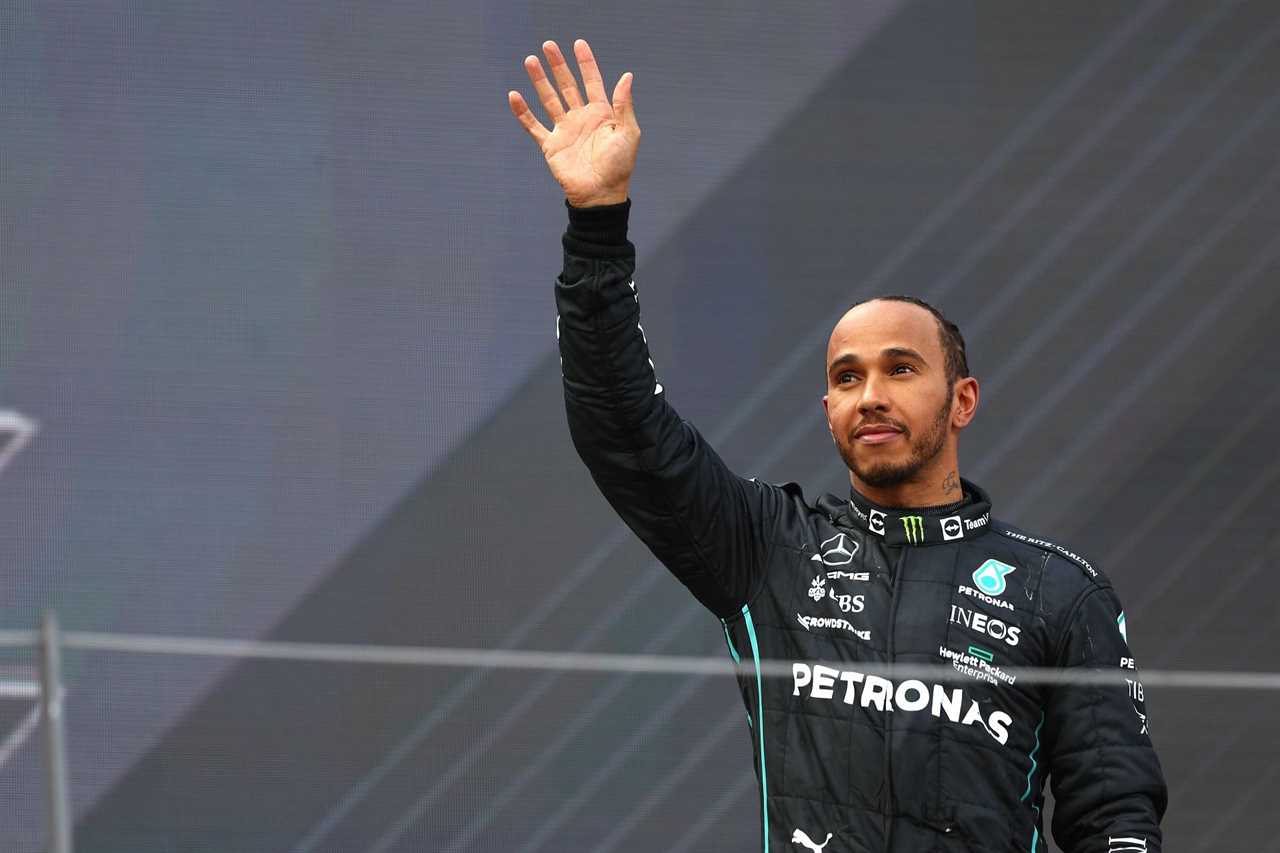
(902, 367)
(845, 376)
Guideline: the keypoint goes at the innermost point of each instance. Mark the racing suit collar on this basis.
(924, 526)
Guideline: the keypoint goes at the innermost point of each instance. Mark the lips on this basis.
(876, 433)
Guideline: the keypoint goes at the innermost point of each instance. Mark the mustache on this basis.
(880, 420)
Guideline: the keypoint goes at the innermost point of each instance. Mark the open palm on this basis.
(592, 149)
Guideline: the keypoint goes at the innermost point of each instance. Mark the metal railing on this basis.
(51, 641)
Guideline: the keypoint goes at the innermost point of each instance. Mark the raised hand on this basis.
(592, 150)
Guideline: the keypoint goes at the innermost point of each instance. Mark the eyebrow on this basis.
(891, 352)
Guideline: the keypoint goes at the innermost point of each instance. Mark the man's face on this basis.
(888, 401)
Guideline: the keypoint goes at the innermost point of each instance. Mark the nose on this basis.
(874, 398)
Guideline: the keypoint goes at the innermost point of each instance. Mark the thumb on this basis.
(623, 107)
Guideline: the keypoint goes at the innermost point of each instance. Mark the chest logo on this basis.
(837, 551)
(989, 577)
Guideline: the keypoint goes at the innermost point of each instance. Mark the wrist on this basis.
(601, 200)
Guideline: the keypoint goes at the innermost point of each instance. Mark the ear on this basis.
(826, 409)
(964, 402)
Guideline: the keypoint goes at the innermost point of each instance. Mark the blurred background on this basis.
(276, 287)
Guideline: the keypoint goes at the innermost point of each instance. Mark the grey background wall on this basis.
(275, 280)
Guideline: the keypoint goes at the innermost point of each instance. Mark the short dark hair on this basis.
(948, 334)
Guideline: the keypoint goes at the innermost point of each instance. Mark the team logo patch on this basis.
(876, 522)
(837, 551)
(989, 577)
(1124, 632)
(913, 528)
(951, 528)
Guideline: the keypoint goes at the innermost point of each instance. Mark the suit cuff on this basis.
(599, 231)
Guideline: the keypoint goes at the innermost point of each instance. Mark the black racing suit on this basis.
(847, 760)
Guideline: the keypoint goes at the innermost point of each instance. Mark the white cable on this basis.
(19, 639)
(641, 664)
(21, 427)
(20, 734)
(11, 689)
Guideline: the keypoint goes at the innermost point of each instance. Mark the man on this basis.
(910, 569)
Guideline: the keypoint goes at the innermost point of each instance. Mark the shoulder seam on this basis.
(1053, 548)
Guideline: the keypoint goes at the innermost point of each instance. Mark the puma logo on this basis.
(798, 837)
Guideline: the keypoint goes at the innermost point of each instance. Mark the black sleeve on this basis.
(1109, 791)
(706, 524)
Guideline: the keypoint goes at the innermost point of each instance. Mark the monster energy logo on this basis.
(913, 526)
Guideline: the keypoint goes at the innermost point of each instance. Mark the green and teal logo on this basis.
(1120, 624)
(913, 527)
(989, 577)
(980, 652)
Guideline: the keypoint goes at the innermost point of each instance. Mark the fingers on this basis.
(590, 72)
(564, 77)
(567, 87)
(525, 116)
(546, 93)
(623, 106)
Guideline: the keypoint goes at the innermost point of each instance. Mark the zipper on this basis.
(888, 717)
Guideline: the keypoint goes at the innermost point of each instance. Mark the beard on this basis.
(923, 451)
